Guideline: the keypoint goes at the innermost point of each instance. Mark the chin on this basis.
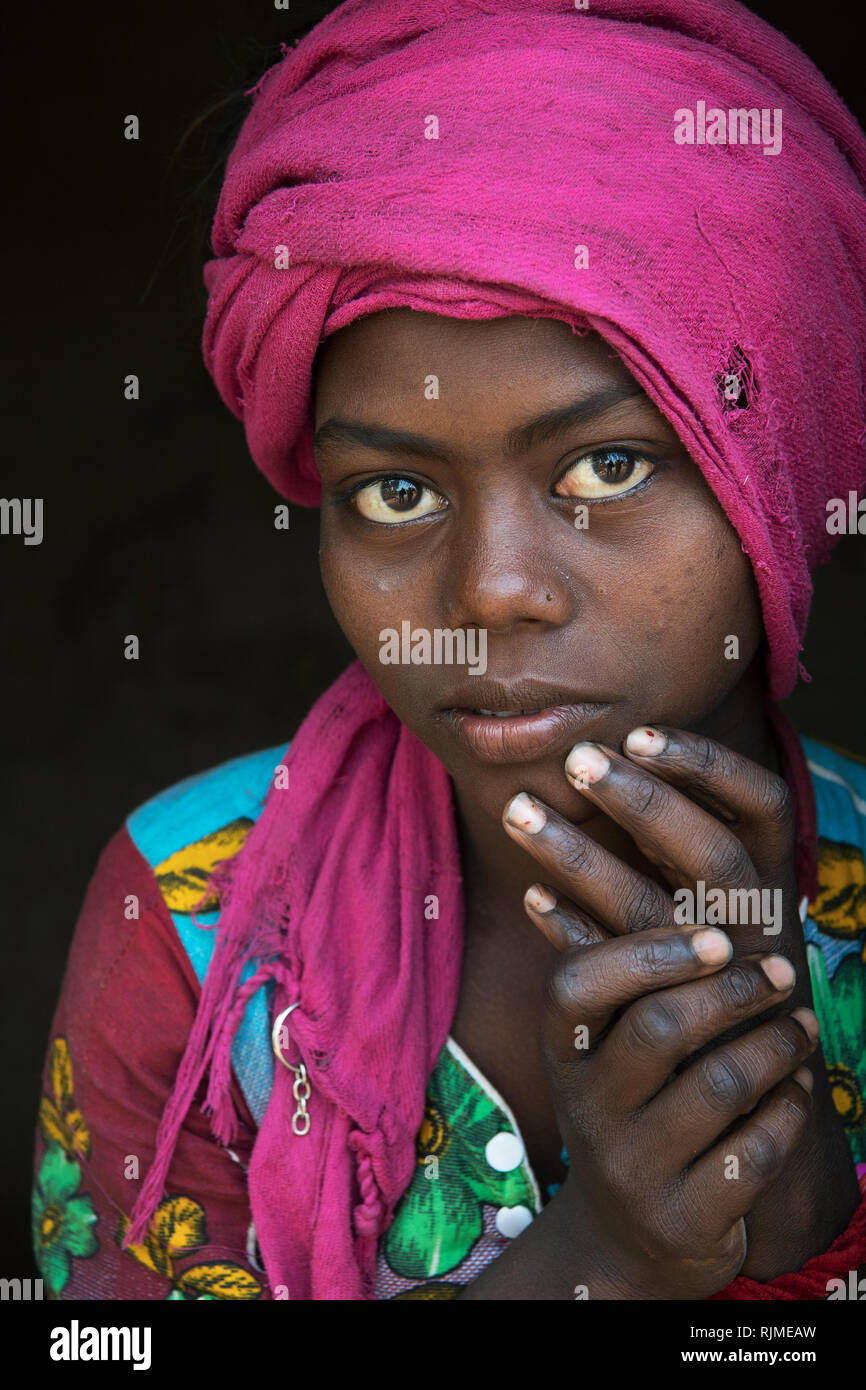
(492, 788)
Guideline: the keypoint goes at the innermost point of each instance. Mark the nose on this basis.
(502, 571)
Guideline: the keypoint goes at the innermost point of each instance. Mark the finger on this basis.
(755, 801)
(589, 984)
(559, 920)
(659, 1031)
(724, 1184)
(618, 897)
(709, 1096)
(685, 841)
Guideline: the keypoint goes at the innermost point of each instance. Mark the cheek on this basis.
(702, 615)
(367, 597)
(356, 596)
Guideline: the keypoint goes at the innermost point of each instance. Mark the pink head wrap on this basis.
(554, 187)
(556, 130)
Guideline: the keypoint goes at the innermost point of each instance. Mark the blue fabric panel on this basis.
(202, 803)
(179, 817)
(840, 800)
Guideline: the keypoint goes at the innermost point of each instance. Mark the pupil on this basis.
(400, 493)
(613, 468)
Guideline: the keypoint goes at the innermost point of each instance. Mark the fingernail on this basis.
(646, 742)
(809, 1021)
(779, 971)
(525, 815)
(586, 764)
(712, 947)
(804, 1078)
(539, 898)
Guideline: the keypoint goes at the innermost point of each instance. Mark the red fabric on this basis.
(126, 1007)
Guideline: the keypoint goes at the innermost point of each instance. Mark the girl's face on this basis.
(510, 476)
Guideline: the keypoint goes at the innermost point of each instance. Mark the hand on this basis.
(654, 1188)
(742, 850)
(687, 844)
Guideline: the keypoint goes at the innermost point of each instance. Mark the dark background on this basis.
(156, 520)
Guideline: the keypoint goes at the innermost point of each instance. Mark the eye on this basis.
(604, 473)
(394, 499)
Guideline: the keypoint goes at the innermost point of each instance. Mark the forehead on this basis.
(386, 359)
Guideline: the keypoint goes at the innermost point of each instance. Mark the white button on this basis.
(510, 1221)
(504, 1151)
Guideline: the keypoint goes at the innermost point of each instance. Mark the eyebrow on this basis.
(544, 429)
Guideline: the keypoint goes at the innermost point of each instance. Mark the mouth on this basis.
(520, 724)
(505, 713)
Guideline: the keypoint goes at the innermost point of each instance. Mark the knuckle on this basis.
(777, 803)
(788, 1039)
(579, 932)
(644, 909)
(798, 1107)
(723, 1084)
(762, 1151)
(576, 855)
(654, 1027)
(741, 987)
(653, 957)
(705, 754)
(567, 986)
(564, 987)
(728, 861)
(646, 796)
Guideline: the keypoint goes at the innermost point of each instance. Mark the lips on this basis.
(505, 714)
(519, 722)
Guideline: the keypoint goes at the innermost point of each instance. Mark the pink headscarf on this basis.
(479, 158)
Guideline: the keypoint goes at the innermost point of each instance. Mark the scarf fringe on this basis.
(220, 1010)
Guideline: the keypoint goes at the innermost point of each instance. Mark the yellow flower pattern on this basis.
(183, 876)
(840, 906)
(63, 1219)
(60, 1119)
(178, 1228)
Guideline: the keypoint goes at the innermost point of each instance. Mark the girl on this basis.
(531, 968)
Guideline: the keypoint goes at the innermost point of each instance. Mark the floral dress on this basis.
(126, 1007)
